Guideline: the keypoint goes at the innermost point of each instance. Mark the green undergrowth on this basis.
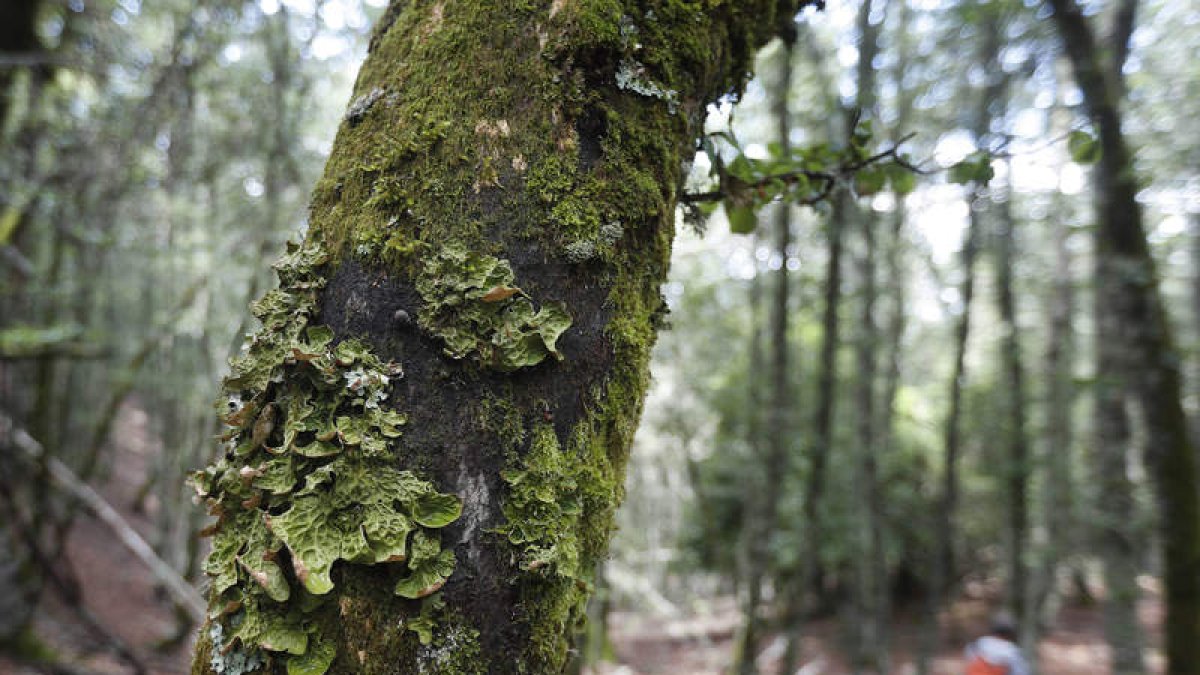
(307, 480)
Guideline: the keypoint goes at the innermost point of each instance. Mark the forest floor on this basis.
(698, 645)
(121, 594)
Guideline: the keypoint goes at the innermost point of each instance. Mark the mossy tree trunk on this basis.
(504, 165)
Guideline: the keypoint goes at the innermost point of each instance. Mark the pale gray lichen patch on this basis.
(586, 249)
(236, 661)
(472, 488)
(631, 76)
(361, 105)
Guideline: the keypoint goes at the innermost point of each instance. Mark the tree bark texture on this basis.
(538, 145)
(1116, 540)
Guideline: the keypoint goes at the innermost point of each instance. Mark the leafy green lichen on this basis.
(542, 506)
(307, 481)
(473, 306)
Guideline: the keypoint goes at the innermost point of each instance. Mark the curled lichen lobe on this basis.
(473, 306)
(307, 480)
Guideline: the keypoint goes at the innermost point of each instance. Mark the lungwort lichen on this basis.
(470, 302)
(307, 480)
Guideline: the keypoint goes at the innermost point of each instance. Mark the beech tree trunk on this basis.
(542, 137)
(1136, 352)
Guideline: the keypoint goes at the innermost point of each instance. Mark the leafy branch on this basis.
(731, 184)
(804, 176)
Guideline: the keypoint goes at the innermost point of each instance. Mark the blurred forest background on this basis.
(873, 423)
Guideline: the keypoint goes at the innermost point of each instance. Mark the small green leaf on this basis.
(960, 173)
(741, 168)
(903, 181)
(742, 219)
(1084, 147)
(977, 167)
(868, 182)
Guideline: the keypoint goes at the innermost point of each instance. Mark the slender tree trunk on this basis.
(873, 579)
(763, 521)
(18, 36)
(822, 437)
(1195, 389)
(944, 573)
(874, 589)
(1018, 469)
(753, 414)
(747, 562)
(944, 563)
(503, 164)
(1115, 538)
(1058, 489)
(1131, 319)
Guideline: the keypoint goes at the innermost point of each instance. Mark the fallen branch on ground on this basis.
(181, 591)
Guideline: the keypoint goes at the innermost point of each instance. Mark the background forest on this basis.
(875, 419)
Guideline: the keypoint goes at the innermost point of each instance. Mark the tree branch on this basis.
(183, 592)
(1122, 31)
(829, 179)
